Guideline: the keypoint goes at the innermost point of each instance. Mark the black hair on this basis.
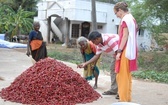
(36, 23)
(94, 35)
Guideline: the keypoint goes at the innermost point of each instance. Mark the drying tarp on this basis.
(6, 44)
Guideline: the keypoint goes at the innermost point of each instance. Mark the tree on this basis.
(93, 14)
(15, 22)
(153, 15)
(17, 16)
(28, 5)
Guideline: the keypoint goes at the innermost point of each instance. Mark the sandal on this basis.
(109, 93)
(117, 97)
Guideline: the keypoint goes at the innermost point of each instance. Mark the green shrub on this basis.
(152, 65)
(152, 75)
(153, 61)
(73, 57)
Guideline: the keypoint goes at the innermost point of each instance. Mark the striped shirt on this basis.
(109, 45)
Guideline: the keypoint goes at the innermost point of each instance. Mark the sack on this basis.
(35, 44)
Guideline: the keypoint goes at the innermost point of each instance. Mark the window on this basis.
(99, 27)
(141, 32)
(117, 28)
(75, 30)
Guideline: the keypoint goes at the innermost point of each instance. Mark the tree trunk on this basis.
(49, 28)
(93, 14)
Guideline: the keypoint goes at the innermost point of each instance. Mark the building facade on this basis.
(70, 19)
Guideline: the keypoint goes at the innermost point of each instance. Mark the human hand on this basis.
(28, 53)
(82, 65)
(92, 67)
(118, 56)
(79, 66)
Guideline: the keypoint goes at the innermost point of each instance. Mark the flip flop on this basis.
(109, 93)
(117, 97)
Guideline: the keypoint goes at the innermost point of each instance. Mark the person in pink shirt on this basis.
(126, 58)
(107, 43)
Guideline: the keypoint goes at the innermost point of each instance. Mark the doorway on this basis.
(85, 29)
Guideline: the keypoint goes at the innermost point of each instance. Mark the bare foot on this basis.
(95, 87)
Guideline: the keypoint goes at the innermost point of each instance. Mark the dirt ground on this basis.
(143, 92)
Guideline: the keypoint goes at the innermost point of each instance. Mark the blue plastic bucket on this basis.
(124, 103)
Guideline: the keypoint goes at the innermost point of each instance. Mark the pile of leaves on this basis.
(49, 82)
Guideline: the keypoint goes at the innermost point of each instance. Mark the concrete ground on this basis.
(13, 63)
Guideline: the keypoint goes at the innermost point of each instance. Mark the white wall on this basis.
(110, 26)
(144, 39)
(79, 11)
